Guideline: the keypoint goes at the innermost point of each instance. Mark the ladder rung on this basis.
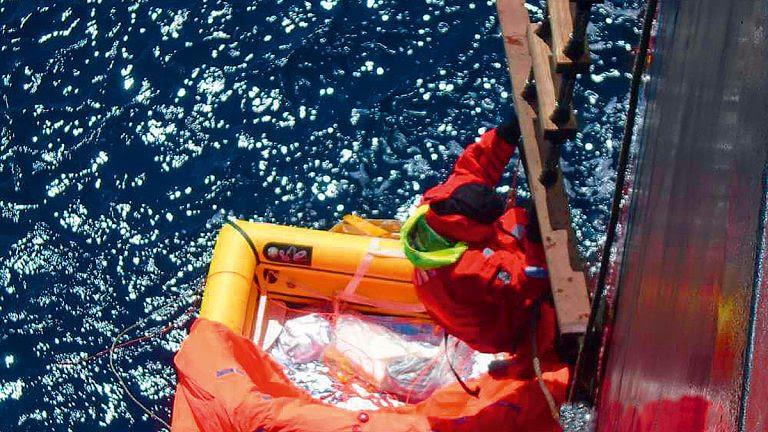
(556, 199)
(545, 89)
(561, 22)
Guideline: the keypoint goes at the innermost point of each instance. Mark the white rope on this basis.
(553, 409)
(116, 340)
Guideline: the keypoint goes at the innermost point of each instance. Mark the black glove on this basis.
(473, 200)
(510, 130)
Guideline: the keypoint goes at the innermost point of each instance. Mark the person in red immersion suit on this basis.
(480, 270)
(480, 267)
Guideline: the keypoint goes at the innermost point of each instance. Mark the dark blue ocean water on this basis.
(129, 130)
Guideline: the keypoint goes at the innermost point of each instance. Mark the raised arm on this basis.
(482, 162)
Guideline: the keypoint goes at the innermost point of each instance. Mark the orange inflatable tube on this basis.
(302, 265)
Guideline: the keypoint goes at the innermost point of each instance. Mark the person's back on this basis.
(478, 273)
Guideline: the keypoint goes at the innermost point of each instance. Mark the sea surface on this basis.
(130, 130)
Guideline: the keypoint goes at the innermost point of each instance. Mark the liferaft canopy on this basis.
(227, 383)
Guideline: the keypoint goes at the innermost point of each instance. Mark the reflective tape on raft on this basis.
(348, 294)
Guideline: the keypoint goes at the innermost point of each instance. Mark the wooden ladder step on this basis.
(546, 89)
(561, 13)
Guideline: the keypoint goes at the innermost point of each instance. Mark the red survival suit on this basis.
(495, 295)
(491, 295)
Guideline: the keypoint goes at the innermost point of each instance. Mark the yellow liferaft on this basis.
(300, 265)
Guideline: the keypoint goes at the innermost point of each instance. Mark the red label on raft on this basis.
(288, 253)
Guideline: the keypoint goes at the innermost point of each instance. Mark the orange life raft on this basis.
(226, 382)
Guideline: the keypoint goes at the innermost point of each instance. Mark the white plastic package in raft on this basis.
(358, 361)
